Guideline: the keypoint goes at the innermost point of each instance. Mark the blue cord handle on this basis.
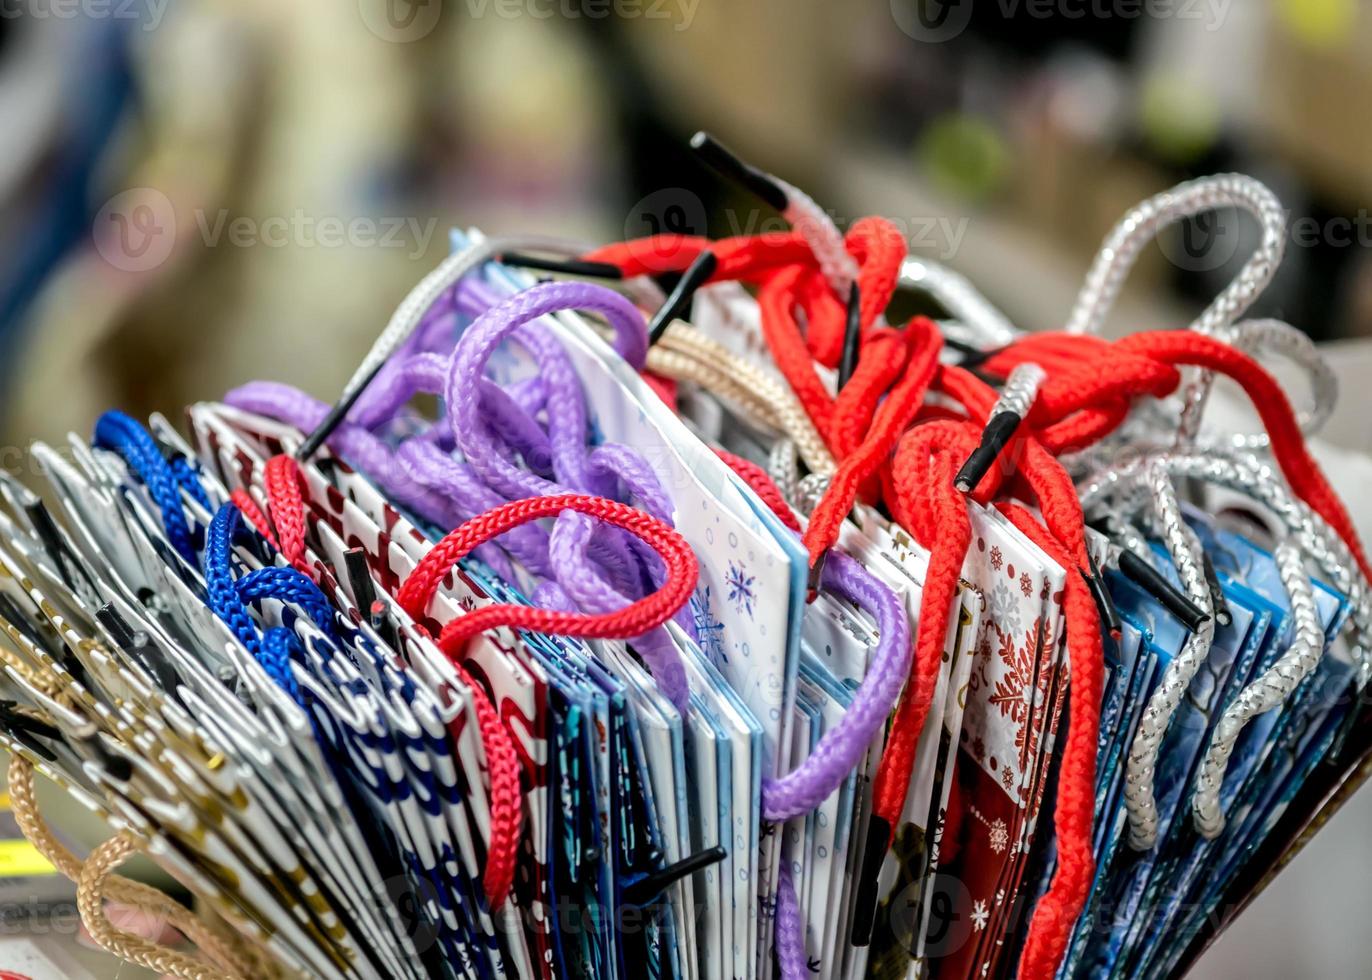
(228, 598)
(165, 480)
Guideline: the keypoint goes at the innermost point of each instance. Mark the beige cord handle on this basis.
(685, 354)
(96, 882)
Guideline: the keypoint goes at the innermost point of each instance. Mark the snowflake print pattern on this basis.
(996, 559)
(740, 585)
(709, 629)
(999, 836)
(1026, 584)
(1013, 693)
(1004, 606)
(980, 915)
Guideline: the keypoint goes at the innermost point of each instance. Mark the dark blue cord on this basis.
(165, 480)
(121, 434)
(274, 649)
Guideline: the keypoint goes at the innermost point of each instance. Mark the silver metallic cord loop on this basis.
(1182, 545)
(1276, 684)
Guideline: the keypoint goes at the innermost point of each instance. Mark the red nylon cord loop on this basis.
(249, 509)
(1089, 389)
(633, 620)
(282, 481)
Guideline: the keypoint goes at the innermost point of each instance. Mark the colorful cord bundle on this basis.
(754, 627)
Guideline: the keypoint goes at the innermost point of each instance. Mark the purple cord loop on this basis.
(789, 930)
(841, 747)
(507, 452)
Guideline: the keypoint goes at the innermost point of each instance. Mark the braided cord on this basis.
(121, 434)
(1167, 697)
(1274, 686)
(789, 929)
(228, 954)
(633, 620)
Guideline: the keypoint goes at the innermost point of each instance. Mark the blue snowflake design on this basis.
(740, 589)
(709, 629)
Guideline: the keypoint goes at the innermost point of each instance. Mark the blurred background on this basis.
(201, 192)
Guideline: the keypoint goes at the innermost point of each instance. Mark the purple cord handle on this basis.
(838, 752)
(789, 930)
(842, 747)
(578, 469)
(584, 564)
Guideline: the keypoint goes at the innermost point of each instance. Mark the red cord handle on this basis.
(633, 620)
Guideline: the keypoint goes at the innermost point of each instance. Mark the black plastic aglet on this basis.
(994, 438)
(115, 625)
(116, 766)
(1217, 600)
(865, 901)
(816, 576)
(567, 267)
(852, 338)
(359, 578)
(724, 162)
(679, 299)
(649, 888)
(364, 594)
(1105, 605)
(972, 356)
(1148, 578)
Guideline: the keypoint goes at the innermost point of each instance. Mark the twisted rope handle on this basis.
(230, 957)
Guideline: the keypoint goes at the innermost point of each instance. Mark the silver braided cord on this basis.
(1266, 692)
(1255, 337)
(1126, 240)
(1246, 474)
(1167, 697)
(1141, 225)
(784, 469)
(810, 490)
(802, 493)
(956, 294)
